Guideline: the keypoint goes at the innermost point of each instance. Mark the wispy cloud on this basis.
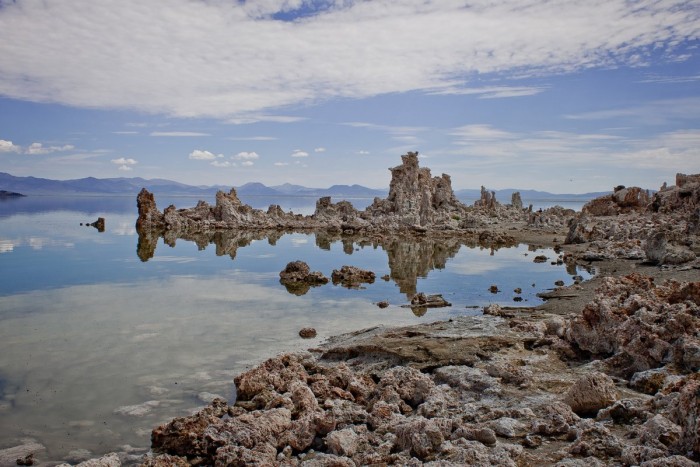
(492, 92)
(653, 112)
(178, 134)
(247, 120)
(40, 149)
(249, 62)
(300, 153)
(252, 138)
(319, 149)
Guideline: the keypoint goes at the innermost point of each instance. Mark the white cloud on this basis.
(125, 132)
(319, 149)
(300, 153)
(281, 164)
(7, 146)
(125, 168)
(363, 152)
(40, 149)
(247, 120)
(124, 161)
(178, 134)
(200, 155)
(492, 92)
(237, 61)
(247, 163)
(246, 156)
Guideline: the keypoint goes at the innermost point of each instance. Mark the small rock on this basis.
(518, 290)
(559, 283)
(307, 333)
(540, 259)
(493, 289)
(383, 304)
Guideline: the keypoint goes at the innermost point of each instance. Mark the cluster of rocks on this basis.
(298, 278)
(417, 203)
(473, 391)
(629, 223)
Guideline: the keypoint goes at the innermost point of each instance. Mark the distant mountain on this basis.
(504, 195)
(131, 186)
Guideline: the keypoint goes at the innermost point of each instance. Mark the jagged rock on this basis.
(184, 436)
(351, 276)
(298, 278)
(594, 439)
(684, 411)
(659, 251)
(685, 195)
(639, 324)
(383, 304)
(149, 216)
(661, 433)
(622, 200)
(516, 201)
(487, 200)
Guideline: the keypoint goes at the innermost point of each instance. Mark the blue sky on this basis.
(558, 95)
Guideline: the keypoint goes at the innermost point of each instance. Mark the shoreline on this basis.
(485, 390)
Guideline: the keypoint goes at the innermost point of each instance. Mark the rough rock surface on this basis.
(469, 391)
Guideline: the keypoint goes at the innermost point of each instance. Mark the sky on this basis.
(565, 96)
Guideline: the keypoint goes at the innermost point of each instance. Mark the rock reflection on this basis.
(409, 257)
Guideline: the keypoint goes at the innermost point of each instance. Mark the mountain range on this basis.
(131, 186)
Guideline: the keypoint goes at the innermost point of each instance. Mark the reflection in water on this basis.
(98, 346)
(409, 257)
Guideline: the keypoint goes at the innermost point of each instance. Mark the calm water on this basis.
(98, 346)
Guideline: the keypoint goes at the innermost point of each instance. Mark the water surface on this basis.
(98, 346)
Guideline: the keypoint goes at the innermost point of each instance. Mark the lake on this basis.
(98, 346)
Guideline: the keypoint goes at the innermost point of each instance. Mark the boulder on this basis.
(591, 393)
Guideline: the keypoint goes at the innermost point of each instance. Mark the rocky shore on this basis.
(605, 372)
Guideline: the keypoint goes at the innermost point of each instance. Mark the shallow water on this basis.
(98, 346)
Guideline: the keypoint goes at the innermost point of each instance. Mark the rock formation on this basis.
(628, 223)
(417, 203)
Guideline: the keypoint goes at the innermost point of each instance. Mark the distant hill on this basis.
(131, 186)
(504, 195)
